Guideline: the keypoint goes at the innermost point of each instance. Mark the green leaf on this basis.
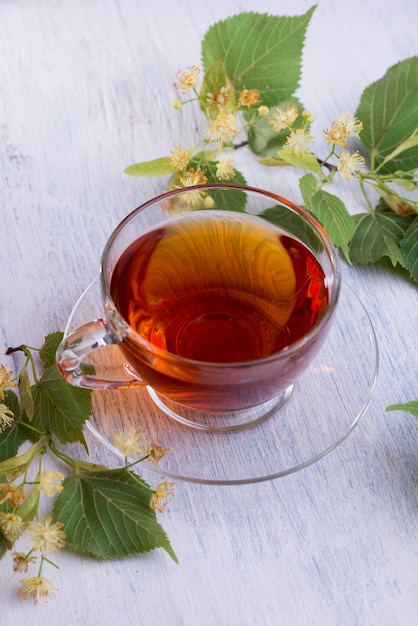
(331, 213)
(12, 438)
(215, 79)
(261, 138)
(410, 407)
(379, 235)
(389, 112)
(259, 51)
(49, 349)
(308, 185)
(409, 247)
(107, 514)
(60, 408)
(150, 169)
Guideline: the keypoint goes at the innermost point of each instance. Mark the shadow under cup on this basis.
(218, 297)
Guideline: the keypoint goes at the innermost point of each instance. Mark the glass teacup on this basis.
(218, 297)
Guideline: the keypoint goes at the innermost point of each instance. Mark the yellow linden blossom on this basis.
(249, 97)
(282, 119)
(130, 442)
(12, 494)
(179, 157)
(187, 79)
(21, 561)
(11, 526)
(222, 129)
(161, 495)
(156, 452)
(343, 129)
(51, 482)
(177, 104)
(5, 382)
(225, 168)
(36, 588)
(350, 165)
(47, 536)
(6, 417)
(299, 141)
(263, 110)
(192, 177)
(218, 98)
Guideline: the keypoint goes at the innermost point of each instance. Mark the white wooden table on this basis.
(85, 91)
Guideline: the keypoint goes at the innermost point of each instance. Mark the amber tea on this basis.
(219, 287)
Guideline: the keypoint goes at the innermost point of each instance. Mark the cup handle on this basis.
(75, 347)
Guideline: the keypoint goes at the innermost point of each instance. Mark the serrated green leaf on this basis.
(49, 349)
(409, 247)
(389, 112)
(261, 138)
(410, 407)
(12, 438)
(379, 235)
(331, 212)
(108, 515)
(60, 408)
(259, 51)
(150, 169)
(308, 185)
(26, 394)
(215, 80)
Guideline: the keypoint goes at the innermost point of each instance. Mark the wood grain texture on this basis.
(85, 91)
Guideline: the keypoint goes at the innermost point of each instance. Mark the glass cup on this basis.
(216, 298)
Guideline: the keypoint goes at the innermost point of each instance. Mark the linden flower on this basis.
(350, 165)
(156, 452)
(6, 417)
(249, 97)
(218, 98)
(299, 141)
(282, 119)
(12, 494)
(36, 588)
(5, 382)
(342, 129)
(130, 442)
(11, 526)
(225, 168)
(222, 129)
(179, 157)
(161, 495)
(353, 125)
(51, 482)
(47, 536)
(187, 79)
(21, 561)
(263, 110)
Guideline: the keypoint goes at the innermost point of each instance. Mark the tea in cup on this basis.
(218, 296)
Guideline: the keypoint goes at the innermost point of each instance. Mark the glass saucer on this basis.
(326, 404)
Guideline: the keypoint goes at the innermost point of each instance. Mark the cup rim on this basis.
(166, 356)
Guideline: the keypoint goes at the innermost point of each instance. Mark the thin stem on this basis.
(363, 191)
